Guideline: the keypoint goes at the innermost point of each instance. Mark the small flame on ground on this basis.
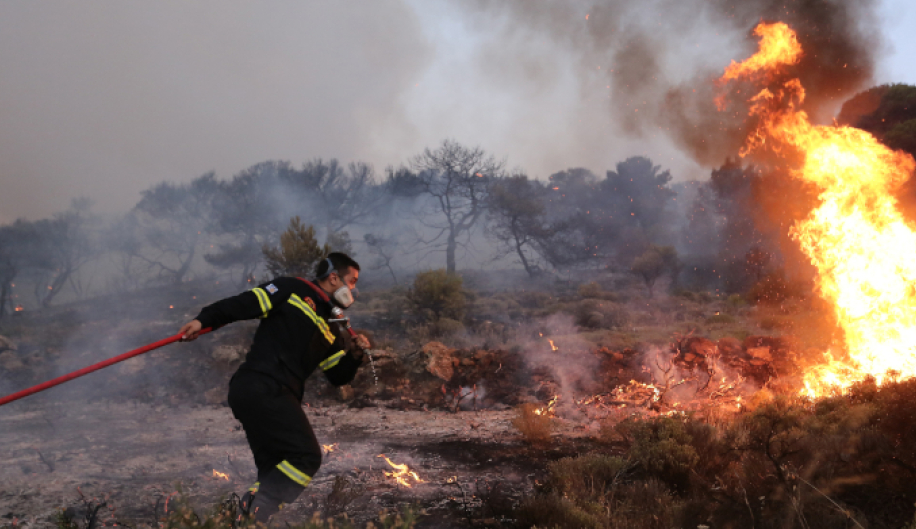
(548, 410)
(218, 474)
(403, 473)
(329, 448)
(553, 346)
(19, 308)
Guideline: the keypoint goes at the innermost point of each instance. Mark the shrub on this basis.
(594, 290)
(662, 446)
(773, 289)
(594, 314)
(587, 478)
(535, 427)
(720, 318)
(437, 294)
(550, 511)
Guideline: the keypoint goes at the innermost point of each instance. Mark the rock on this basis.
(216, 396)
(440, 360)
(229, 354)
(346, 393)
(6, 344)
(9, 361)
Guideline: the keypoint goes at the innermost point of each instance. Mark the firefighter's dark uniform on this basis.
(265, 394)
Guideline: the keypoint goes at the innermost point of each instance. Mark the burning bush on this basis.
(534, 423)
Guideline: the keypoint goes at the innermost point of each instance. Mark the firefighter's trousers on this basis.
(284, 446)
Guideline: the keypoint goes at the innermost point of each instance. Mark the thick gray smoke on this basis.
(656, 61)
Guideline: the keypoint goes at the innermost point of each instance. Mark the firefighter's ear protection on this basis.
(343, 297)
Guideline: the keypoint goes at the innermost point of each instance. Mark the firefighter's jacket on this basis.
(294, 337)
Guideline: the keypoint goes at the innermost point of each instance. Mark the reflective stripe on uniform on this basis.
(297, 302)
(331, 361)
(293, 473)
(263, 300)
(254, 488)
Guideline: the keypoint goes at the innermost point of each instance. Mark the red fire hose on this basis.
(94, 367)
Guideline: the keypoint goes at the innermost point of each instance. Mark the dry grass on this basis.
(535, 427)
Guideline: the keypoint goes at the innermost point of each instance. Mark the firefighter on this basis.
(293, 339)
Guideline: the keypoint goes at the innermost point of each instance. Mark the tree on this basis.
(640, 190)
(887, 111)
(383, 249)
(516, 212)
(297, 253)
(247, 212)
(655, 262)
(63, 244)
(457, 179)
(340, 196)
(17, 243)
(168, 224)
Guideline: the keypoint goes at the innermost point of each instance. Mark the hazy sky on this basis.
(104, 98)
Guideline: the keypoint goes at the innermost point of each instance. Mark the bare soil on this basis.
(133, 456)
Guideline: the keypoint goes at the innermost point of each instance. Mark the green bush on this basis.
(436, 294)
(662, 447)
(595, 314)
(588, 477)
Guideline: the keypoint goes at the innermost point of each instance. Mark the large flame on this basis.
(857, 238)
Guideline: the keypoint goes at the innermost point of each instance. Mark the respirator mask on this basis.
(344, 296)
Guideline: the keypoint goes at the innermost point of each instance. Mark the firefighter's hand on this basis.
(189, 330)
(362, 342)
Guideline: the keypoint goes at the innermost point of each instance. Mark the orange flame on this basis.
(403, 473)
(548, 410)
(553, 346)
(19, 308)
(778, 47)
(218, 474)
(329, 448)
(857, 239)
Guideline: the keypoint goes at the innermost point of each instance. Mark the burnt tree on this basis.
(457, 179)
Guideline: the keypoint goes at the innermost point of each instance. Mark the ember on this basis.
(857, 237)
(329, 448)
(403, 473)
(218, 474)
(19, 308)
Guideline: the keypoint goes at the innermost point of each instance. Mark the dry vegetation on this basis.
(775, 461)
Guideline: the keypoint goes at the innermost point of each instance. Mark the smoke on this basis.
(657, 60)
(103, 99)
